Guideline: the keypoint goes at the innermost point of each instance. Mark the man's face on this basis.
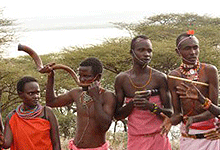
(86, 75)
(143, 50)
(31, 94)
(189, 50)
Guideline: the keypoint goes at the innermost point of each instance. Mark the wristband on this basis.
(207, 104)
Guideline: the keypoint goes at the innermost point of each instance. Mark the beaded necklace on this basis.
(141, 87)
(85, 99)
(190, 72)
(28, 114)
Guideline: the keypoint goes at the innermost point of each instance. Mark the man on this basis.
(31, 126)
(95, 106)
(196, 120)
(142, 109)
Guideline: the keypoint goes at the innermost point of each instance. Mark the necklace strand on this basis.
(140, 87)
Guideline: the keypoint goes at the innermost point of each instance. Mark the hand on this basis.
(189, 121)
(141, 101)
(166, 125)
(93, 90)
(2, 140)
(47, 68)
(187, 91)
(213, 135)
(190, 91)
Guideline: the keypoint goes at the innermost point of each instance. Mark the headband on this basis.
(190, 33)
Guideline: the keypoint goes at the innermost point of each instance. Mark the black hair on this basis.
(23, 81)
(94, 63)
(137, 37)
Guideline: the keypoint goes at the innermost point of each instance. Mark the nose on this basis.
(82, 79)
(36, 95)
(192, 51)
(146, 53)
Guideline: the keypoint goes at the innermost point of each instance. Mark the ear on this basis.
(178, 52)
(20, 94)
(99, 76)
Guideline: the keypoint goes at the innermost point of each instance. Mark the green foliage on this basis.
(163, 30)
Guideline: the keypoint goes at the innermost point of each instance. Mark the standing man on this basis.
(143, 109)
(196, 121)
(31, 126)
(95, 106)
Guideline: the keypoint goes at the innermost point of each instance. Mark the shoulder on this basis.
(109, 95)
(158, 75)
(10, 115)
(121, 77)
(74, 92)
(209, 67)
(175, 72)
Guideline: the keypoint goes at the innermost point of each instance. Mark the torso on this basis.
(87, 128)
(192, 107)
(132, 83)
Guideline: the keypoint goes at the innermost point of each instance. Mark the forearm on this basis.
(176, 119)
(202, 117)
(124, 111)
(215, 110)
(50, 96)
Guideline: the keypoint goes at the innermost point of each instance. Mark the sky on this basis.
(57, 8)
(47, 13)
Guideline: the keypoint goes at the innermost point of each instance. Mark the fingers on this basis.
(166, 125)
(163, 115)
(213, 135)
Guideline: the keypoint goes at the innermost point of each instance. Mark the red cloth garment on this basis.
(72, 146)
(30, 134)
(204, 125)
(144, 129)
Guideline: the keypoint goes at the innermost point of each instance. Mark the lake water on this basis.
(49, 41)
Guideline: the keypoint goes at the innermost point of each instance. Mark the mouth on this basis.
(146, 60)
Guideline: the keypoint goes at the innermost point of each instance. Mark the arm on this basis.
(213, 93)
(177, 116)
(8, 136)
(121, 111)
(192, 92)
(165, 97)
(54, 131)
(104, 106)
(56, 101)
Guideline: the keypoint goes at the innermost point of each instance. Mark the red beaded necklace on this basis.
(190, 72)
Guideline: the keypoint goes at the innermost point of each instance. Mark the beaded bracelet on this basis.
(207, 104)
(156, 109)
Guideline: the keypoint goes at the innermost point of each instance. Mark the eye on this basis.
(195, 47)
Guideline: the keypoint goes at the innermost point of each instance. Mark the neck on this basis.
(137, 68)
(25, 107)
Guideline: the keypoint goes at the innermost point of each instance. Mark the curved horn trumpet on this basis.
(39, 63)
(33, 54)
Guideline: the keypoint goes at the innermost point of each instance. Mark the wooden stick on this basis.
(187, 80)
